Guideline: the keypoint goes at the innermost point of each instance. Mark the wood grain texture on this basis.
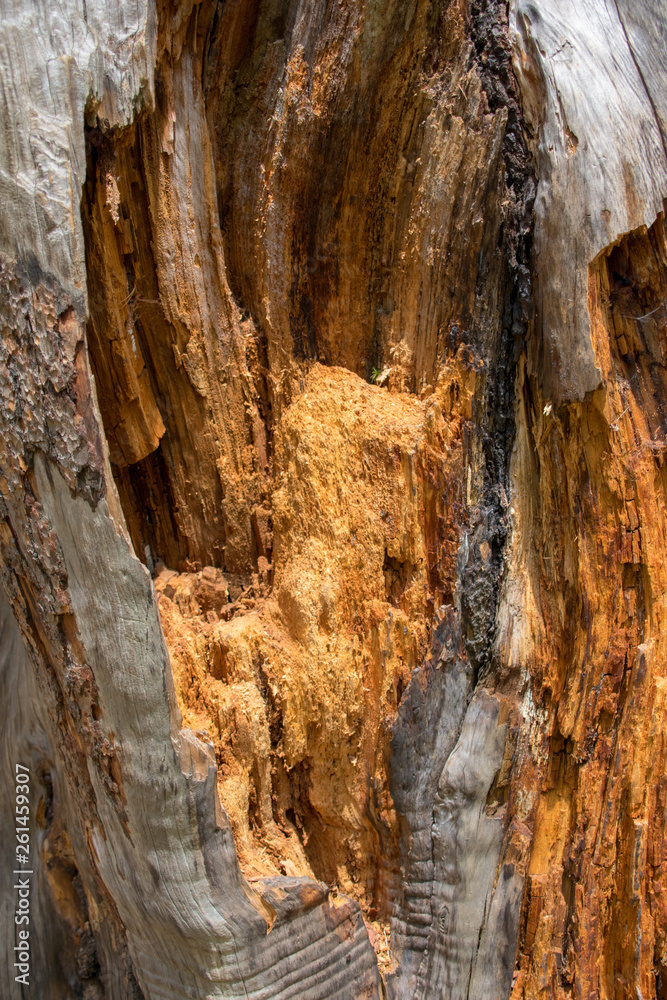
(332, 393)
(55, 67)
(592, 82)
(56, 62)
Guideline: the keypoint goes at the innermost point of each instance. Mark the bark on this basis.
(332, 498)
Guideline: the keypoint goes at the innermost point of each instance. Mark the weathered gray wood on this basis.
(593, 82)
(56, 60)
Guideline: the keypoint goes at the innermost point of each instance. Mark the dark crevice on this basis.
(150, 408)
(144, 486)
(489, 526)
(145, 494)
(398, 575)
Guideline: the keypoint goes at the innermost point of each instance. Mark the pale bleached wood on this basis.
(592, 77)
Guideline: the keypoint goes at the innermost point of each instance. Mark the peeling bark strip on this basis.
(332, 499)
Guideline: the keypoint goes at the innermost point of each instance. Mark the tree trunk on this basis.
(333, 389)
